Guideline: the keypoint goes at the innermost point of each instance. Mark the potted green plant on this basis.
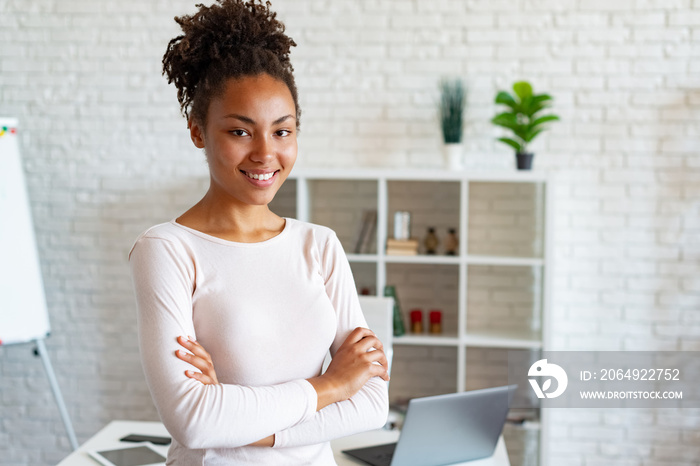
(452, 103)
(524, 119)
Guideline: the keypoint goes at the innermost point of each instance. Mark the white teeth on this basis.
(263, 177)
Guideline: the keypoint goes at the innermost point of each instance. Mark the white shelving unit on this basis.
(534, 337)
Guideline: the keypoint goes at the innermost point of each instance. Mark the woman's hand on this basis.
(353, 365)
(199, 358)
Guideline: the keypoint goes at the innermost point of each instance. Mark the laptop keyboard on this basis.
(383, 456)
(379, 455)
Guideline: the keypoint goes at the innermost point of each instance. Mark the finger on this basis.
(200, 377)
(184, 341)
(376, 343)
(191, 344)
(380, 371)
(207, 375)
(379, 357)
(194, 347)
(369, 342)
(358, 334)
(200, 363)
(383, 374)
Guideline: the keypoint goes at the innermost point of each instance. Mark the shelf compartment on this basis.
(341, 205)
(427, 287)
(431, 204)
(491, 367)
(486, 367)
(365, 276)
(284, 203)
(504, 306)
(506, 219)
(419, 371)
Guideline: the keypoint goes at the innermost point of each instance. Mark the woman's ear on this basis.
(196, 133)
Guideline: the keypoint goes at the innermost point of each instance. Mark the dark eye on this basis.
(239, 132)
(283, 132)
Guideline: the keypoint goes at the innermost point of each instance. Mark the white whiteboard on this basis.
(23, 314)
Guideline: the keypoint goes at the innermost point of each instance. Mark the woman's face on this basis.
(250, 139)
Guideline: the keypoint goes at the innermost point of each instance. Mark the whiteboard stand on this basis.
(21, 284)
(41, 351)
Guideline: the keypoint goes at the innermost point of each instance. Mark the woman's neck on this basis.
(232, 221)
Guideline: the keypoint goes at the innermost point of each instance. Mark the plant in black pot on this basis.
(524, 119)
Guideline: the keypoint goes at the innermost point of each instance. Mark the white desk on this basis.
(109, 437)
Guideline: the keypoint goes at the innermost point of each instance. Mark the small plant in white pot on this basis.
(523, 119)
(452, 103)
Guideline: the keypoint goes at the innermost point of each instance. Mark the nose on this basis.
(262, 149)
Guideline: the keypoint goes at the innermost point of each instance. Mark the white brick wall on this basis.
(107, 155)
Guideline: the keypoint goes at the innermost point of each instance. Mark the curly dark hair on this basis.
(230, 39)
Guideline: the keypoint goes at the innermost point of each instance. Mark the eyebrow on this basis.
(249, 120)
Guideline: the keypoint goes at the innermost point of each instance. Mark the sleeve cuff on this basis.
(311, 397)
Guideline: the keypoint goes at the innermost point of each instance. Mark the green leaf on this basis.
(506, 99)
(452, 103)
(536, 104)
(521, 131)
(523, 89)
(506, 119)
(545, 119)
(526, 106)
(512, 143)
(541, 98)
(535, 107)
(532, 134)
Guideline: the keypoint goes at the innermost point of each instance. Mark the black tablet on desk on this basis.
(132, 455)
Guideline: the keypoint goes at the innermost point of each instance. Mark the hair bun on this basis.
(243, 36)
(231, 26)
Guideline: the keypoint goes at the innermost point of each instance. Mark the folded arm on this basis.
(350, 397)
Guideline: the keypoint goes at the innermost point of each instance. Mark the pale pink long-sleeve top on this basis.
(267, 313)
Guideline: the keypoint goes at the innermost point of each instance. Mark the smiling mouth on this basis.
(260, 176)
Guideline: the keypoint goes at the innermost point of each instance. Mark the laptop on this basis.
(445, 429)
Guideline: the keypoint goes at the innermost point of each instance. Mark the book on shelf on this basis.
(402, 243)
(401, 247)
(367, 227)
(401, 252)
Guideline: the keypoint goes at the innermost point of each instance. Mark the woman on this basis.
(266, 296)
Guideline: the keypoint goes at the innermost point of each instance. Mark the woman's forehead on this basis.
(261, 98)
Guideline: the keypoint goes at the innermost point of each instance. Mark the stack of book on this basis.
(401, 247)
